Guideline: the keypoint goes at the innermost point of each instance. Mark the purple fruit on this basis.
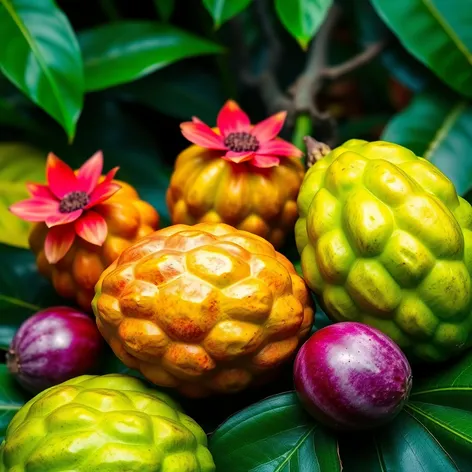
(350, 376)
(52, 346)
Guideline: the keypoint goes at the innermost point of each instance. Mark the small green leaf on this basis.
(274, 435)
(437, 33)
(223, 10)
(18, 163)
(437, 127)
(41, 56)
(302, 18)
(12, 398)
(23, 291)
(123, 51)
(165, 8)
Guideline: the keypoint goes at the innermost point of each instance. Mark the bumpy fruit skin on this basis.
(203, 309)
(205, 188)
(385, 240)
(75, 275)
(109, 423)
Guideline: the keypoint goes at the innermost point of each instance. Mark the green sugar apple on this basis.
(109, 423)
(385, 240)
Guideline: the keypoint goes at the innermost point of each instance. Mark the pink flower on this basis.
(242, 141)
(65, 204)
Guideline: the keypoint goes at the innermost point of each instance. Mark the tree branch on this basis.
(369, 53)
(271, 93)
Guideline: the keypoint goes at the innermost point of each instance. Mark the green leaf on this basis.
(12, 398)
(165, 8)
(23, 291)
(302, 18)
(437, 127)
(437, 33)
(275, 435)
(123, 51)
(223, 10)
(180, 92)
(404, 445)
(18, 163)
(41, 56)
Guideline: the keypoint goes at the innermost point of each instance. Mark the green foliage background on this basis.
(82, 75)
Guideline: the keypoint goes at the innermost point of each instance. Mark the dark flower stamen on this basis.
(73, 201)
(241, 142)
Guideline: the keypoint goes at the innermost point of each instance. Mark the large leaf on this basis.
(23, 291)
(180, 92)
(223, 10)
(274, 435)
(120, 52)
(41, 56)
(302, 18)
(439, 128)
(18, 163)
(12, 398)
(437, 32)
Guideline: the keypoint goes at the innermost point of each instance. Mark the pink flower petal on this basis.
(102, 192)
(63, 218)
(232, 119)
(111, 174)
(58, 241)
(41, 191)
(238, 157)
(279, 147)
(265, 161)
(202, 135)
(35, 209)
(92, 227)
(90, 172)
(270, 127)
(61, 177)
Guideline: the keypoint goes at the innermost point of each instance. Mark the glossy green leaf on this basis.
(123, 51)
(274, 435)
(223, 10)
(437, 32)
(302, 18)
(12, 398)
(18, 163)
(405, 445)
(165, 8)
(180, 92)
(439, 128)
(23, 291)
(41, 56)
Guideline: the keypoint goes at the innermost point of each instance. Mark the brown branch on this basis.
(369, 53)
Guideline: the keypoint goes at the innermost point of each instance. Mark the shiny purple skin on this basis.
(350, 376)
(52, 346)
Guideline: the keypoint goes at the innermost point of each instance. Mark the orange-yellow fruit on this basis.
(75, 275)
(203, 309)
(205, 188)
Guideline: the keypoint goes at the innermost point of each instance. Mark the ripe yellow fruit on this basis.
(75, 275)
(203, 309)
(205, 188)
(385, 240)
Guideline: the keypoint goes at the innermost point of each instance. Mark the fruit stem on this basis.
(12, 362)
(316, 150)
(303, 127)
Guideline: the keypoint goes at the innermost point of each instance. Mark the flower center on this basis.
(73, 201)
(241, 142)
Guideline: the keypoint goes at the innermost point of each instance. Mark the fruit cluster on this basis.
(209, 306)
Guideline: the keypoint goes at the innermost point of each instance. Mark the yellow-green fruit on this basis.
(385, 240)
(109, 423)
